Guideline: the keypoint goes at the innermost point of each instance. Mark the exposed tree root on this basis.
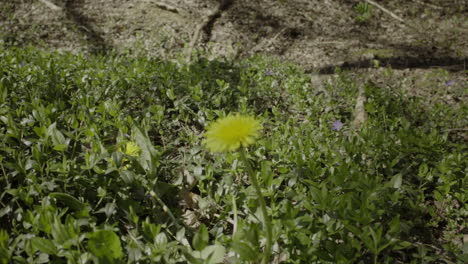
(167, 7)
(206, 22)
(51, 5)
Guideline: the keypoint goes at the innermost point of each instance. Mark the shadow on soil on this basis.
(84, 24)
(448, 63)
(252, 19)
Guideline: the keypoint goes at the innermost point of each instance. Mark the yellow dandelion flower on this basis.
(132, 149)
(231, 132)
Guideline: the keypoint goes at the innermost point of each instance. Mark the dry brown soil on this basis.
(320, 35)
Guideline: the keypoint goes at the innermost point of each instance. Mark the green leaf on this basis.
(245, 251)
(394, 225)
(190, 258)
(69, 201)
(60, 147)
(150, 230)
(66, 235)
(42, 258)
(423, 169)
(117, 157)
(200, 240)
(105, 244)
(108, 209)
(41, 131)
(4, 254)
(213, 254)
(170, 94)
(44, 245)
(127, 176)
(267, 174)
(396, 181)
(58, 139)
(149, 157)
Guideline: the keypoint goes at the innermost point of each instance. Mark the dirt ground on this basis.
(414, 37)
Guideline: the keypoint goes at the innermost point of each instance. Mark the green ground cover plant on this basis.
(103, 161)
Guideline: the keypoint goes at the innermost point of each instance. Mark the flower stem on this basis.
(234, 209)
(266, 218)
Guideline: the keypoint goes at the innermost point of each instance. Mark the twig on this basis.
(455, 129)
(198, 30)
(431, 5)
(51, 5)
(268, 42)
(166, 7)
(386, 11)
(390, 13)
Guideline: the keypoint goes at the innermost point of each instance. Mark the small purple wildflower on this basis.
(337, 125)
(269, 73)
(450, 83)
(22, 64)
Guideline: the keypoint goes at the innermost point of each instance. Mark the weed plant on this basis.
(102, 161)
(364, 11)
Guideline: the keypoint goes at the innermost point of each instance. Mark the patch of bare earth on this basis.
(417, 38)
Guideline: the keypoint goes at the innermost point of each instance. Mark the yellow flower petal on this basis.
(231, 132)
